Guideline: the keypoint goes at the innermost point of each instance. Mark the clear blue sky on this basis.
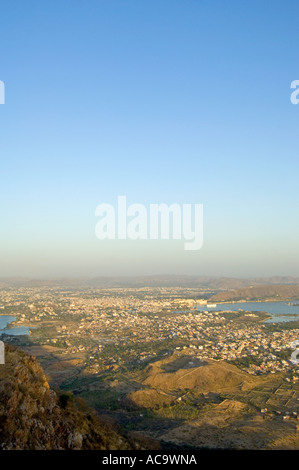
(160, 100)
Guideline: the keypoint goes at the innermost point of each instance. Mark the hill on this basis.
(266, 292)
(165, 381)
(33, 416)
(203, 376)
(213, 404)
(208, 282)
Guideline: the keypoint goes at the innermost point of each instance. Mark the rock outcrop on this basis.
(33, 416)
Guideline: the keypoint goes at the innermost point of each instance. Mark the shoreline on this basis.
(13, 325)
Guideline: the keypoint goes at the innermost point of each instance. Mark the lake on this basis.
(5, 320)
(279, 311)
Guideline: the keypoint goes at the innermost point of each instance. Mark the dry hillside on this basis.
(274, 292)
(32, 416)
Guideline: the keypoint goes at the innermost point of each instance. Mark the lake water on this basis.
(279, 311)
(5, 320)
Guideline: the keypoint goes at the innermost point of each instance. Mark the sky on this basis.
(165, 101)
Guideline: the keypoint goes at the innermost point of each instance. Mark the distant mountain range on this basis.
(209, 282)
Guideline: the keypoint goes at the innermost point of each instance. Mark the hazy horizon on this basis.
(149, 276)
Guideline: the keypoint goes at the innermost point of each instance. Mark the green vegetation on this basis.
(129, 352)
(183, 411)
(66, 399)
(288, 325)
(107, 399)
(246, 361)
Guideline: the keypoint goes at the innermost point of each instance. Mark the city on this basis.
(90, 339)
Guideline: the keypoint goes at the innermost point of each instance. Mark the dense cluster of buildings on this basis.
(87, 320)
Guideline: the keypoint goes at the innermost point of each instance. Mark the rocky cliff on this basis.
(32, 416)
